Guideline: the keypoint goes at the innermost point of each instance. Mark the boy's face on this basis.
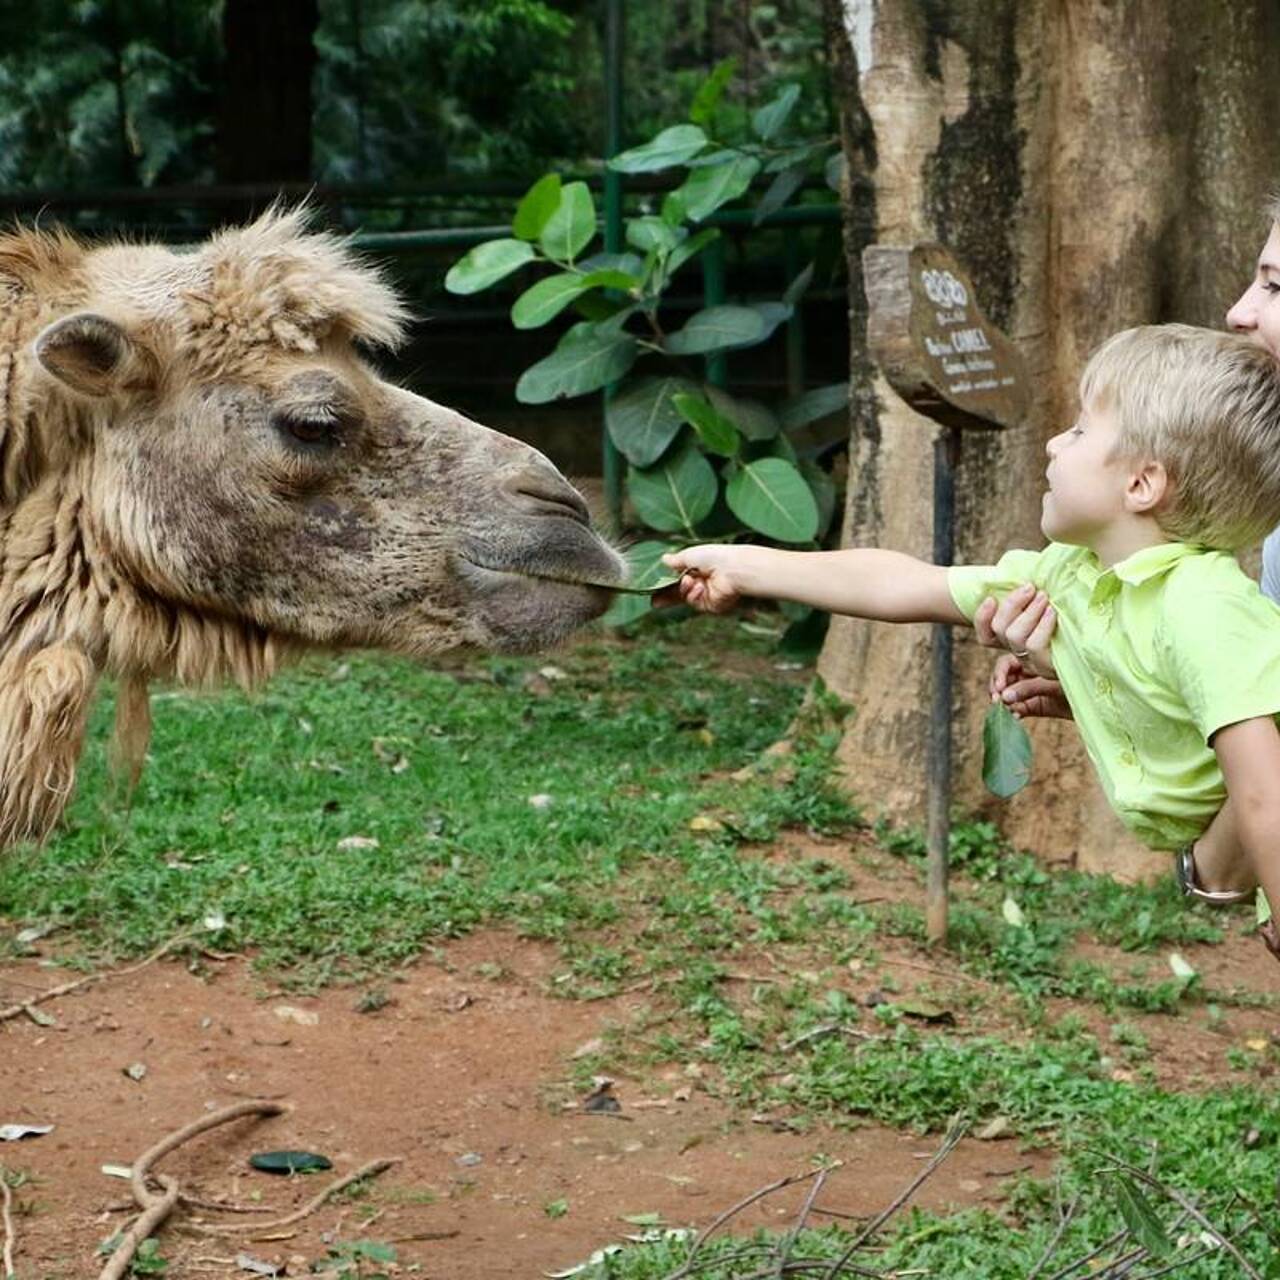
(1257, 310)
(1087, 483)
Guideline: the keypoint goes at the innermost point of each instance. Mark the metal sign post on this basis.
(939, 352)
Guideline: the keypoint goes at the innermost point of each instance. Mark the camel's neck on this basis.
(61, 582)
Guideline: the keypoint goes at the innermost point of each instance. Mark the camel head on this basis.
(200, 472)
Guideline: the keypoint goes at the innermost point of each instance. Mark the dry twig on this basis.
(10, 1236)
(157, 1210)
(15, 1010)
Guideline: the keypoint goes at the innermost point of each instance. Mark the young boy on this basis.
(1167, 652)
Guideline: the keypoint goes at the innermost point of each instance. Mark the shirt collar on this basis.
(1150, 562)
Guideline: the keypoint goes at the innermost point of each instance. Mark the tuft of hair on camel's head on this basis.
(201, 474)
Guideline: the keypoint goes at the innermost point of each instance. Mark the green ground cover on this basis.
(587, 799)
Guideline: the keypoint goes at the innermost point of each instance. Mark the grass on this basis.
(589, 800)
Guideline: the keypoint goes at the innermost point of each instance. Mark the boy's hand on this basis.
(1024, 679)
(1271, 936)
(707, 581)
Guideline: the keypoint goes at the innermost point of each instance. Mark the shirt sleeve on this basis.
(971, 584)
(1224, 659)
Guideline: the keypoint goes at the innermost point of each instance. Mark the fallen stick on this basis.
(9, 1235)
(152, 1216)
(370, 1170)
(15, 1010)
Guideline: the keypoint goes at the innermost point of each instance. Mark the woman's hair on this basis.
(1206, 405)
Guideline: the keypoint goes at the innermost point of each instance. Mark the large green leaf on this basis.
(671, 147)
(769, 120)
(646, 573)
(715, 328)
(587, 358)
(1006, 752)
(812, 405)
(710, 91)
(1141, 1219)
(571, 226)
(706, 189)
(648, 232)
(771, 314)
(686, 250)
(717, 433)
(772, 497)
(536, 207)
(753, 418)
(546, 299)
(676, 494)
(781, 189)
(642, 420)
(824, 492)
(486, 264)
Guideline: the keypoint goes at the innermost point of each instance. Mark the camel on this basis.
(200, 478)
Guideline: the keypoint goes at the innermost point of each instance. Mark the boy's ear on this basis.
(1148, 487)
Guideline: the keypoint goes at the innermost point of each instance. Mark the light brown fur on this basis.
(200, 477)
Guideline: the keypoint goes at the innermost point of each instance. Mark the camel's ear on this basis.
(89, 353)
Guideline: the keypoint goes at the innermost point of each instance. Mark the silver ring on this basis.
(1021, 653)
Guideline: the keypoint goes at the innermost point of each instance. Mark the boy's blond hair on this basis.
(1206, 405)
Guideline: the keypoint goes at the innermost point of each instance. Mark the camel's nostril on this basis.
(544, 492)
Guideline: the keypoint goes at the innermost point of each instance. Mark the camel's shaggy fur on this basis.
(198, 477)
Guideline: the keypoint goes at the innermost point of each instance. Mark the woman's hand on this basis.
(1023, 679)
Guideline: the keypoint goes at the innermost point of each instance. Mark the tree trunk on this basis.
(264, 106)
(1094, 167)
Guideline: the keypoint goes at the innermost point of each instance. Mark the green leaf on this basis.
(1181, 968)
(587, 358)
(289, 1162)
(676, 494)
(647, 574)
(824, 492)
(546, 299)
(769, 120)
(772, 314)
(648, 233)
(799, 286)
(1262, 907)
(706, 189)
(717, 433)
(716, 328)
(1142, 1220)
(536, 207)
(630, 264)
(642, 420)
(812, 405)
(556, 1208)
(1006, 752)
(671, 147)
(755, 420)
(711, 90)
(779, 191)
(834, 174)
(686, 250)
(771, 497)
(571, 225)
(486, 264)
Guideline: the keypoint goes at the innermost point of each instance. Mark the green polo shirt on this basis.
(1155, 655)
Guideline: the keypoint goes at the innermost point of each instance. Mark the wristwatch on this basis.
(1185, 868)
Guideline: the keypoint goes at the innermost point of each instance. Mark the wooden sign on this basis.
(935, 347)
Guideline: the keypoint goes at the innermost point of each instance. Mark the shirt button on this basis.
(1127, 757)
(1103, 685)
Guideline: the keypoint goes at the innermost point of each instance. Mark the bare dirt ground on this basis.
(463, 1076)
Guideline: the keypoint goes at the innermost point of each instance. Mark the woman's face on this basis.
(1257, 311)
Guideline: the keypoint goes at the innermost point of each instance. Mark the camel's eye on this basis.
(314, 430)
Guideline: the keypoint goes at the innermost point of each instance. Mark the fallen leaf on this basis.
(1013, 914)
(246, 1262)
(705, 823)
(16, 1132)
(993, 1129)
(348, 843)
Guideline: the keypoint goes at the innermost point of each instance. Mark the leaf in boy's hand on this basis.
(1006, 752)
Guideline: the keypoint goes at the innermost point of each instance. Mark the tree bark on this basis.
(1094, 167)
(264, 105)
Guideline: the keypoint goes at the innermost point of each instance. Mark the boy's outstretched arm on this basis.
(863, 582)
(1249, 753)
